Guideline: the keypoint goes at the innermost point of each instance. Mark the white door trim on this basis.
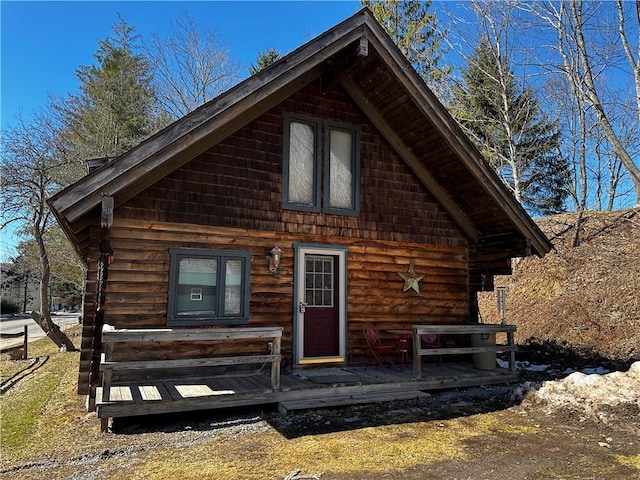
(298, 318)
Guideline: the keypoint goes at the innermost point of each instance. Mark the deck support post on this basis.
(417, 359)
(512, 352)
(104, 260)
(275, 365)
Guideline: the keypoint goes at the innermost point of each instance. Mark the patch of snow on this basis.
(591, 392)
(537, 368)
(597, 371)
(523, 366)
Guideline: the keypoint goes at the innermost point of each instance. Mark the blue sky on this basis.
(43, 43)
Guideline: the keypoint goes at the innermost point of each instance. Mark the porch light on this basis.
(275, 255)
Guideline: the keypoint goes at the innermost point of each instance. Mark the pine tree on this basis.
(264, 59)
(508, 126)
(116, 106)
(414, 29)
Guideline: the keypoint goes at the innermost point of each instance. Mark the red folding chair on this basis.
(379, 351)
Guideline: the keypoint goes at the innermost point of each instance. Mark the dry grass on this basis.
(584, 298)
(47, 433)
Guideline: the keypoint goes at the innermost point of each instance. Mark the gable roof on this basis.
(358, 55)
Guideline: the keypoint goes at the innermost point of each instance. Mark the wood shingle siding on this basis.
(237, 183)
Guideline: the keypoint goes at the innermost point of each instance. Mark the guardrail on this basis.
(25, 343)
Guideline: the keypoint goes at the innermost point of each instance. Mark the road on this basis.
(15, 324)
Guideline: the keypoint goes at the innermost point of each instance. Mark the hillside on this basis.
(583, 300)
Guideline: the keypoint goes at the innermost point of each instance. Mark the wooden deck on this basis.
(309, 388)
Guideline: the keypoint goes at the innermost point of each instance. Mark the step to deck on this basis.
(337, 401)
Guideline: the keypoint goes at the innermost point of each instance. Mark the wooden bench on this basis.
(111, 336)
(419, 330)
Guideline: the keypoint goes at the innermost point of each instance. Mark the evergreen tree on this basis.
(414, 29)
(264, 59)
(115, 108)
(508, 126)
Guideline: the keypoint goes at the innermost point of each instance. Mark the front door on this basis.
(320, 315)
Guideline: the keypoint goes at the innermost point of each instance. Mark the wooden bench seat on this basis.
(112, 336)
(186, 362)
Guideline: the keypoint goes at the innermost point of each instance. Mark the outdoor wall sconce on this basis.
(275, 255)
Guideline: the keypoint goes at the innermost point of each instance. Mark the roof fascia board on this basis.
(140, 164)
(453, 134)
(410, 159)
(192, 133)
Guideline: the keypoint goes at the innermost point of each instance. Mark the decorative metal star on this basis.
(411, 280)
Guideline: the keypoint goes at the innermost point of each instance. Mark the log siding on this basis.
(139, 281)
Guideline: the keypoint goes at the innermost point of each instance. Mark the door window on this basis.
(318, 281)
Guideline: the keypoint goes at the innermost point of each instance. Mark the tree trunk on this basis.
(591, 96)
(53, 332)
(44, 317)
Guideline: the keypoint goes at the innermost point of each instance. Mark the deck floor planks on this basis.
(221, 392)
(121, 394)
(254, 383)
(293, 382)
(378, 376)
(190, 390)
(149, 392)
(243, 385)
(173, 393)
(222, 386)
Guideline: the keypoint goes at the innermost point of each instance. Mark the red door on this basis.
(321, 337)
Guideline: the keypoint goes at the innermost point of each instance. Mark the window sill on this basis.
(205, 321)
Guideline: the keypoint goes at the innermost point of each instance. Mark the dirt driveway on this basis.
(478, 433)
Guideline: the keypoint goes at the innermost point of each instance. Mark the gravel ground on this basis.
(527, 430)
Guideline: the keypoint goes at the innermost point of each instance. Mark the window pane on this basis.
(319, 281)
(197, 279)
(198, 271)
(233, 287)
(301, 163)
(341, 186)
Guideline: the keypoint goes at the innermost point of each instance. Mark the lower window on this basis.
(208, 287)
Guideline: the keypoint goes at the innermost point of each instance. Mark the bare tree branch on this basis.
(190, 68)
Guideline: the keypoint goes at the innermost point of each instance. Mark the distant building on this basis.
(17, 290)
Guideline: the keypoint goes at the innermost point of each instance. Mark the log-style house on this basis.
(328, 190)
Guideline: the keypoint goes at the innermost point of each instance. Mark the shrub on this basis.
(8, 307)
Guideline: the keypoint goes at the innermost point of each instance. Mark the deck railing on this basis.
(419, 351)
(24, 345)
(111, 336)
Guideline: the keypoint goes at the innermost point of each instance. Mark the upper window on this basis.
(315, 150)
(207, 287)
